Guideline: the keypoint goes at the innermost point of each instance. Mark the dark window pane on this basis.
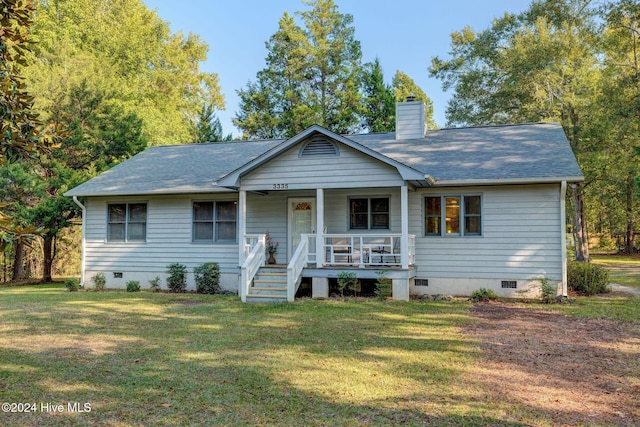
(116, 232)
(359, 206)
(117, 213)
(433, 225)
(472, 205)
(138, 212)
(380, 221)
(203, 211)
(472, 225)
(227, 211)
(433, 205)
(360, 221)
(137, 231)
(379, 205)
(226, 231)
(203, 231)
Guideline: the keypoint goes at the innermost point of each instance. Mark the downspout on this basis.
(84, 224)
(563, 236)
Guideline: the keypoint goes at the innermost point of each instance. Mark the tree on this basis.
(379, 110)
(540, 65)
(208, 128)
(620, 105)
(312, 75)
(131, 54)
(404, 87)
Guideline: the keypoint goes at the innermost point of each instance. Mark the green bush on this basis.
(482, 294)
(383, 284)
(133, 286)
(99, 281)
(72, 284)
(346, 281)
(207, 278)
(587, 279)
(548, 291)
(154, 284)
(177, 280)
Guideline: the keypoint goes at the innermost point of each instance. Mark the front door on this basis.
(302, 220)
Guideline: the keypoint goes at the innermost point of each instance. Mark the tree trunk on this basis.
(48, 254)
(580, 225)
(630, 216)
(18, 261)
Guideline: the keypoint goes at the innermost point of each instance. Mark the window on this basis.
(369, 213)
(127, 222)
(215, 221)
(452, 215)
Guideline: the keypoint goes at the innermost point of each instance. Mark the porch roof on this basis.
(536, 152)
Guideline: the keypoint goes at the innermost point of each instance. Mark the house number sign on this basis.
(280, 186)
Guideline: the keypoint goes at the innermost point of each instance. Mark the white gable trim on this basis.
(232, 180)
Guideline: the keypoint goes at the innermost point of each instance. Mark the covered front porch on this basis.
(308, 248)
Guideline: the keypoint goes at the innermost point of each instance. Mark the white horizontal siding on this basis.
(520, 236)
(351, 169)
(169, 240)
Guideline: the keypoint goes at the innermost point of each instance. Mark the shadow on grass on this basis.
(160, 359)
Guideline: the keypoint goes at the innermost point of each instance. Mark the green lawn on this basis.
(146, 358)
(623, 269)
(162, 359)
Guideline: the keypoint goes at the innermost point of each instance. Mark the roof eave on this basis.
(505, 181)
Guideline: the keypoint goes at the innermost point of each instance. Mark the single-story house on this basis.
(439, 211)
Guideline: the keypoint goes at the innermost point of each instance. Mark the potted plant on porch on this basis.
(271, 247)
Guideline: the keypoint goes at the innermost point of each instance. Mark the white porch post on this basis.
(404, 218)
(319, 227)
(242, 225)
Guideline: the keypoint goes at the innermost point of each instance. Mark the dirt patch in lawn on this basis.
(575, 371)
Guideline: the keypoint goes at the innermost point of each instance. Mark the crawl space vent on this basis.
(422, 282)
(509, 284)
(319, 146)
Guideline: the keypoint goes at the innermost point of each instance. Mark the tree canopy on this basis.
(571, 61)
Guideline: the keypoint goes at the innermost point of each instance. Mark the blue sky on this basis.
(404, 34)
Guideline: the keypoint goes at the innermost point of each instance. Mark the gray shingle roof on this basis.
(485, 153)
(460, 156)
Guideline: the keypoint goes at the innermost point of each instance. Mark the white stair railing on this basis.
(295, 267)
(252, 263)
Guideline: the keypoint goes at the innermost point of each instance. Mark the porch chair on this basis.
(339, 247)
(389, 250)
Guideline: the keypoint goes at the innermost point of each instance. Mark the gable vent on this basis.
(319, 146)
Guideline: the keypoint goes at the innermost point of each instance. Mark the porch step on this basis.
(269, 285)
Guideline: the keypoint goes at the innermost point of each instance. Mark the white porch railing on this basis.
(294, 269)
(362, 250)
(254, 258)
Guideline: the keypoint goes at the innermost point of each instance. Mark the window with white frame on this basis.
(127, 222)
(369, 213)
(215, 221)
(453, 215)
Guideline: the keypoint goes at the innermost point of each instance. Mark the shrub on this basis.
(483, 294)
(133, 286)
(207, 278)
(345, 281)
(587, 279)
(548, 291)
(177, 280)
(99, 281)
(154, 284)
(72, 284)
(383, 284)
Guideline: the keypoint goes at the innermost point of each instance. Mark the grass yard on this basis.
(162, 359)
(623, 269)
(142, 359)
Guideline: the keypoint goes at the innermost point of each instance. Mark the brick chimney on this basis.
(410, 119)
